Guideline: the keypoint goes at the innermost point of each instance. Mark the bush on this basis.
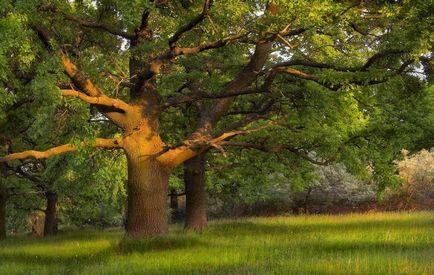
(417, 189)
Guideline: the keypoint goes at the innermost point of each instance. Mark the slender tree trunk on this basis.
(174, 206)
(147, 197)
(51, 222)
(3, 198)
(196, 205)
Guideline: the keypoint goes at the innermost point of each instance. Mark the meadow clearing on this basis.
(373, 243)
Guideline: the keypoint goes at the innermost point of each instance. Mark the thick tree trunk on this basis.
(196, 206)
(3, 198)
(147, 197)
(51, 222)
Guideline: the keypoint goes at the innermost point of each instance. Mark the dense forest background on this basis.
(330, 190)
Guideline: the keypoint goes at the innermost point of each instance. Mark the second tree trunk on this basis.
(196, 206)
(3, 198)
(51, 222)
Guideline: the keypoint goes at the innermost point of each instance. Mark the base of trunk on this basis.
(147, 198)
(194, 180)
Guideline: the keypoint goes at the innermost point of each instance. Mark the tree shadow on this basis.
(61, 264)
(164, 243)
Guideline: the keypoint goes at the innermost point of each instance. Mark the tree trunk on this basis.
(194, 180)
(3, 198)
(174, 206)
(147, 198)
(51, 222)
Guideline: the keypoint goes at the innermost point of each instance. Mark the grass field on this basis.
(380, 243)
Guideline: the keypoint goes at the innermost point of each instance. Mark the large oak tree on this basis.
(137, 63)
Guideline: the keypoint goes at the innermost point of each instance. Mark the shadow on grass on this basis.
(172, 242)
(59, 239)
(75, 262)
(56, 264)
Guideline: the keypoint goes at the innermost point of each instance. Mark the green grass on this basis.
(379, 243)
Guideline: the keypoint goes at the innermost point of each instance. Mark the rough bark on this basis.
(147, 188)
(196, 205)
(3, 198)
(147, 191)
(51, 221)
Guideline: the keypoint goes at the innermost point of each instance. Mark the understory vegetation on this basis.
(375, 243)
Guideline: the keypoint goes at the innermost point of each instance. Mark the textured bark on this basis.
(147, 188)
(3, 198)
(196, 205)
(51, 221)
(147, 191)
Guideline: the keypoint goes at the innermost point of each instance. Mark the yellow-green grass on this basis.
(376, 243)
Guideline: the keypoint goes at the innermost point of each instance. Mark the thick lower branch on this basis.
(194, 146)
(98, 100)
(89, 88)
(99, 142)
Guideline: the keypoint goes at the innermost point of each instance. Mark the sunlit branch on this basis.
(99, 143)
(193, 146)
(98, 100)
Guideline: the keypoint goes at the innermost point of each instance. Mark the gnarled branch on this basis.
(190, 25)
(173, 157)
(369, 62)
(307, 76)
(89, 88)
(78, 78)
(98, 100)
(281, 148)
(156, 64)
(199, 95)
(199, 143)
(101, 26)
(99, 142)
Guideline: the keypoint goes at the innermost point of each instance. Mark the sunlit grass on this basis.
(379, 243)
